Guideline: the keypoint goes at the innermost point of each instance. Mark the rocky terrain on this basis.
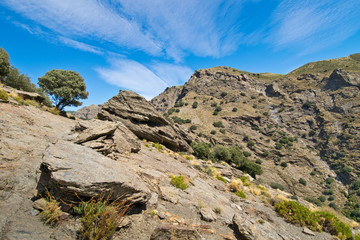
(135, 154)
(88, 112)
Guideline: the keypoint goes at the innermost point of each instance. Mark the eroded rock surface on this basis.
(140, 117)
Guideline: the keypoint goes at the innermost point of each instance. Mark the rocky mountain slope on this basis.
(88, 112)
(303, 125)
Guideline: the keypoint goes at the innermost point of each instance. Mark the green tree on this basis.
(19, 81)
(4, 64)
(65, 87)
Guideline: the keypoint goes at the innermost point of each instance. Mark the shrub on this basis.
(240, 194)
(157, 146)
(255, 106)
(222, 131)
(284, 164)
(328, 192)
(234, 109)
(201, 150)
(243, 94)
(247, 154)
(3, 95)
(215, 113)
(275, 185)
(322, 198)
(334, 206)
(52, 213)
(329, 180)
(195, 104)
(258, 161)
(213, 132)
(223, 94)
(302, 181)
(278, 146)
(221, 179)
(315, 201)
(265, 154)
(19, 81)
(221, 153)
(250, 144)
(331, 198)
(346, 169)
(99, 218)
(214, 104)
(193, 127)
(307, 105)
(312, 133)
(177, 110)
(218, 124)
(251, 168)
(180, 182)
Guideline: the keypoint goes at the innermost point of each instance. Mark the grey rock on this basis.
(140, 117)
(40, 204)
(168, 232)
(208, 215)
(69, 169)
(340, 78)
(88, 112)
(308, 231)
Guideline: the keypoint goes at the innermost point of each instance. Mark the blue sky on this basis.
(146, 46)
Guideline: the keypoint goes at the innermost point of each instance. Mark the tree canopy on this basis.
(65, 87)
(4, 64)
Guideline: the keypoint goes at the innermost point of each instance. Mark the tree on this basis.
(4, 64)
(65, 87)
(19, 81)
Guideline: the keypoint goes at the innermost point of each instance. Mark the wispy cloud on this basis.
(172, 28)
(81, 46)
(313, 25)
(172, 74)
(131, 75)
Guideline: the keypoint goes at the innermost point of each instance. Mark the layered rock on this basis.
(106, 137)
(140, 117)
(88, 112)
(69, 170)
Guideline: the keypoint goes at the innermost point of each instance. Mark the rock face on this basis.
(340, 78)
(88, 112)
(106, 137)
(167, 98)
(68, 170)
(140, 117)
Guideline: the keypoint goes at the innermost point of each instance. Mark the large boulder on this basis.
(88, 112)
(340, 78)
(138, 115)
(106, 137)
(69, 170)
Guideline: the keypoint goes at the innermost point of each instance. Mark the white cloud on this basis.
(313, 25)
(146, 81)
(175, 28)
(81, 46)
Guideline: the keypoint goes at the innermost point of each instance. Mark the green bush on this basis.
(307, 105)
(329, 180)
(193, 127)
(99, 218)
(19, 81)
(221, 153)
(180, 182)
(278, 146)
(275, 185)
(234, 109)
(222, 131)
(315, 201)
(334, 206)
(283, 164)
(213, 132)
(250, 144)
(312, 133)
(247, 154)
(251, 168)
(4, 64)
(243, 94)
(221, 179)
(265, 154)
(322, 198)
(195, 104)
(52, 212)
(331, 198)
(328, 192)
(3, 95)
(240, 194)
(346, 170)
(201, 150)
(258, 161)
(302, 181)
(214, 104)
(218, 124)
(223, 94)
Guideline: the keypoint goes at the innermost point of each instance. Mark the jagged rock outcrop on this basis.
(140, 117)
(167, 98)
(69, 170)
(340, 78)
(106, 137)
(25, 95)
(88, 112)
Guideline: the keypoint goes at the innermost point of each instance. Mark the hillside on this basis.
(303, 125)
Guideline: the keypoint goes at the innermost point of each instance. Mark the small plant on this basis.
(255, 106)
(322, 198)
(222, 131)
(180, 182)
(275, 185)
(193, 128)
(302, 181)
(153, 213)
(328, 192)
(250, 144)
(315, 201)
(99, 218)
(223, 94)
(278, 146)
(329, 180)
(218, 124)
(221, 179)
(217, 210)
(157, 146)
(334, 206)
(243, 94)
(52, 213)
(312, 133)
(261, 221)
(240, 194)
(3, 95)
(214, 104)
(283, 164)
(247, 154)
(234, 109)
(258, 161)
(213, 132)
(195, 104)
(265, 154)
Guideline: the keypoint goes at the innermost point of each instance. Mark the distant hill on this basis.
(302, 125)
(88, 112)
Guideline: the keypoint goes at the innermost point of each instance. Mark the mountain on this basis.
(302, 125)
(88, 112)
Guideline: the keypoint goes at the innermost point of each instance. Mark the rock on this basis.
(244, 228)
(308, 231)
(40, 204)
(140, 117)
(161, 215)
(340, 78)
(273, 90)
(106, 137)
(166, 99)
(207, 215)
(25, 95)
(69, 169)
(168, 232)
(88, 112)
(153, 199)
